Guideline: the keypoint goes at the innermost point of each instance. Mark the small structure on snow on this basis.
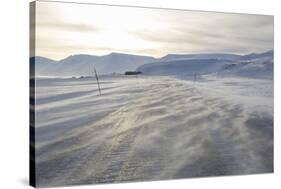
(133, 73)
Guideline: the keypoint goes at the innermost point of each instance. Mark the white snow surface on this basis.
(151, 128)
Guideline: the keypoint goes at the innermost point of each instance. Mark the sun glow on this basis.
(63, 29)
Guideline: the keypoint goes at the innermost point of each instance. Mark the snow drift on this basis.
(151, 128)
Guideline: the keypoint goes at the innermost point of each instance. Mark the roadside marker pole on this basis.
(97, 78)
(194, 80)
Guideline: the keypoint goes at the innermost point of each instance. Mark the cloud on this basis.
(97, 29)
(215, 32)
(51, 25)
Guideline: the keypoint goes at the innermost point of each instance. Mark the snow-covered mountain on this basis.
(252, 56)
(220, 56)
(253, 65)
(78, 65)
(42, 64)
(258, 65)
(183, 67)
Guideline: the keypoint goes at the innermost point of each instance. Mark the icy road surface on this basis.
(151, 128)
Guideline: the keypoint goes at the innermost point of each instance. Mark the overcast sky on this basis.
(64, 29)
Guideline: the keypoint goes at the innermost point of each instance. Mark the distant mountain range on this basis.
(256, 65)
(78, 65)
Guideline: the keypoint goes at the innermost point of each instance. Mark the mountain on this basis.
(251, 65)
(78, 65)
(255, 65)
(267, 54)
(183, 67)
(42, 60)
(42, 64)
(221, 56)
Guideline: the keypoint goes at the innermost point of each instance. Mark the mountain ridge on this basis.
(254, 65)
(82, 64)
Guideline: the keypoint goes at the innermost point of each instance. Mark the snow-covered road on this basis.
(151, 128)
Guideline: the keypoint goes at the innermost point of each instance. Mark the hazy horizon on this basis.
(64, 29)
(114, 52)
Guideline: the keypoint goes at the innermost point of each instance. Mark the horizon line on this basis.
(116, 52)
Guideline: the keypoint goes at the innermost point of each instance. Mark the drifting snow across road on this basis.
(150, 128)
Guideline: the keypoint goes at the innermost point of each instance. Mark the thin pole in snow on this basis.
(194, 80)
(97, 78)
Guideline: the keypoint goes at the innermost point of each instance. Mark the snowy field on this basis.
(151, 128)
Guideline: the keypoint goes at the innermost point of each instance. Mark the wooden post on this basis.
(194, 80)
(97, 78)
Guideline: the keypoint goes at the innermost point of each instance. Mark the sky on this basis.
(64, 29)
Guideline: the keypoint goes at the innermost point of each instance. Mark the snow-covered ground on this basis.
(151, 128)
